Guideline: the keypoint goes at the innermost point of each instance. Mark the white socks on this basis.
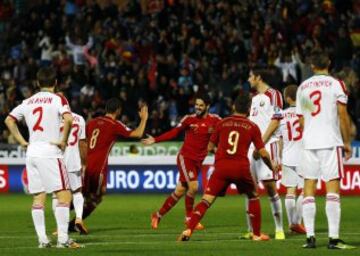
(298, 216)
(62, 216)
(290, 208)
(276, 209)
(333, 213)
(38, 217)
(309, 211)
(78, 202)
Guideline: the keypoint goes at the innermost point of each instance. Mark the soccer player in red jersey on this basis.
(102, 132)
(233, 136)
(198, 129)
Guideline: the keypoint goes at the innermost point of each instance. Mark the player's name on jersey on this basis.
(42, 100)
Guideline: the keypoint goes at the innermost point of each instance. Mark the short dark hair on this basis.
(112, 105)
(320, 59)
(46, 77)
(266, 74)
(205, 97)
(290, 91)
(242, 103)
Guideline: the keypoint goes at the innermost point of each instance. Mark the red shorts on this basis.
(188, 168)
(94, 183)
(226, 173)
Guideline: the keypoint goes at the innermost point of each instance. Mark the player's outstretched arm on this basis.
(148, 141)
(14, 130)
(266, 158)
(345, 129)
(274, 124)
(139, 131)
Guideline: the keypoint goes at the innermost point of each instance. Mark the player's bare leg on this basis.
(276, 208)
(189, 201)
(38, 217)
(168, 204)
(292, 212)
(62, 215)
(196, 215)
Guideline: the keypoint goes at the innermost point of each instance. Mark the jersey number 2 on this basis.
(37, 126)
(233, 141)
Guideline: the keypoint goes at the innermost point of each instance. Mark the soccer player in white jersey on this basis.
(291, 134)
(43, 113)
(265, 106)
(74, 159)
(321, 106)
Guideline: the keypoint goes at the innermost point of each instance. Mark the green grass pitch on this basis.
(121, 226)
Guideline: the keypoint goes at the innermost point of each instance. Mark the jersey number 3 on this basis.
(233, 141)
(315, 97)
(38, 111)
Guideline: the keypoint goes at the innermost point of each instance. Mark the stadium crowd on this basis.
(164, 52)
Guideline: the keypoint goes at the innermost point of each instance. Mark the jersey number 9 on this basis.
(233, 141)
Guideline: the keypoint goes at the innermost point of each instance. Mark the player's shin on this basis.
(298, 215)
(290, 207)
(189, 204)
(169, 203)
(78, 201)
(198, 213)
(254, 213)
(38, 217)
(309, 212)
(62, 215)
(276, 209)
(333, 213)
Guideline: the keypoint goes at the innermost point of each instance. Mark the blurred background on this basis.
(165, 51)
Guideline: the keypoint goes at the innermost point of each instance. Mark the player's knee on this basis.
(64, 196)
(193, 188)
(252, 194)
(39, 199)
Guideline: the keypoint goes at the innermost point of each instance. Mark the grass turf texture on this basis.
(121, 225)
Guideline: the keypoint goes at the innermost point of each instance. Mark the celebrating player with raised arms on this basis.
(198, 129)
(233, 136)
(102, 132)
(321, 106)
(43, 114)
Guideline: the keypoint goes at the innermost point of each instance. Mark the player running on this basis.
(266, 105)
(43, 113)
(291, 134)
(102, 133)
(198, 128)
(74, 158)
(321, 105)
(233, 136)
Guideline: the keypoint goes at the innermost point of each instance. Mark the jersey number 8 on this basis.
(94, 137)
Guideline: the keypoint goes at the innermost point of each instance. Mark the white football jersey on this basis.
(292, 134)
(43, 114)
(317, 99)
(72, 153)
(264, 107)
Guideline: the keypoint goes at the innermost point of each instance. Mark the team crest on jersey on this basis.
(191, 174)
(262, 103)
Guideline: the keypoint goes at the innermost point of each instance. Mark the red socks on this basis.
(169, 203)
(189, 204)
(255, 215)
(198, 213)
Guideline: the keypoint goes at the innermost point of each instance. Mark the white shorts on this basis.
(46, 175)
(75, 180)
(290, 177)
(326, 164)
(259, 169)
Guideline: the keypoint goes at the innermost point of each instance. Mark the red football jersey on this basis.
(102, 132)
(233, 136)
(197, 135)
